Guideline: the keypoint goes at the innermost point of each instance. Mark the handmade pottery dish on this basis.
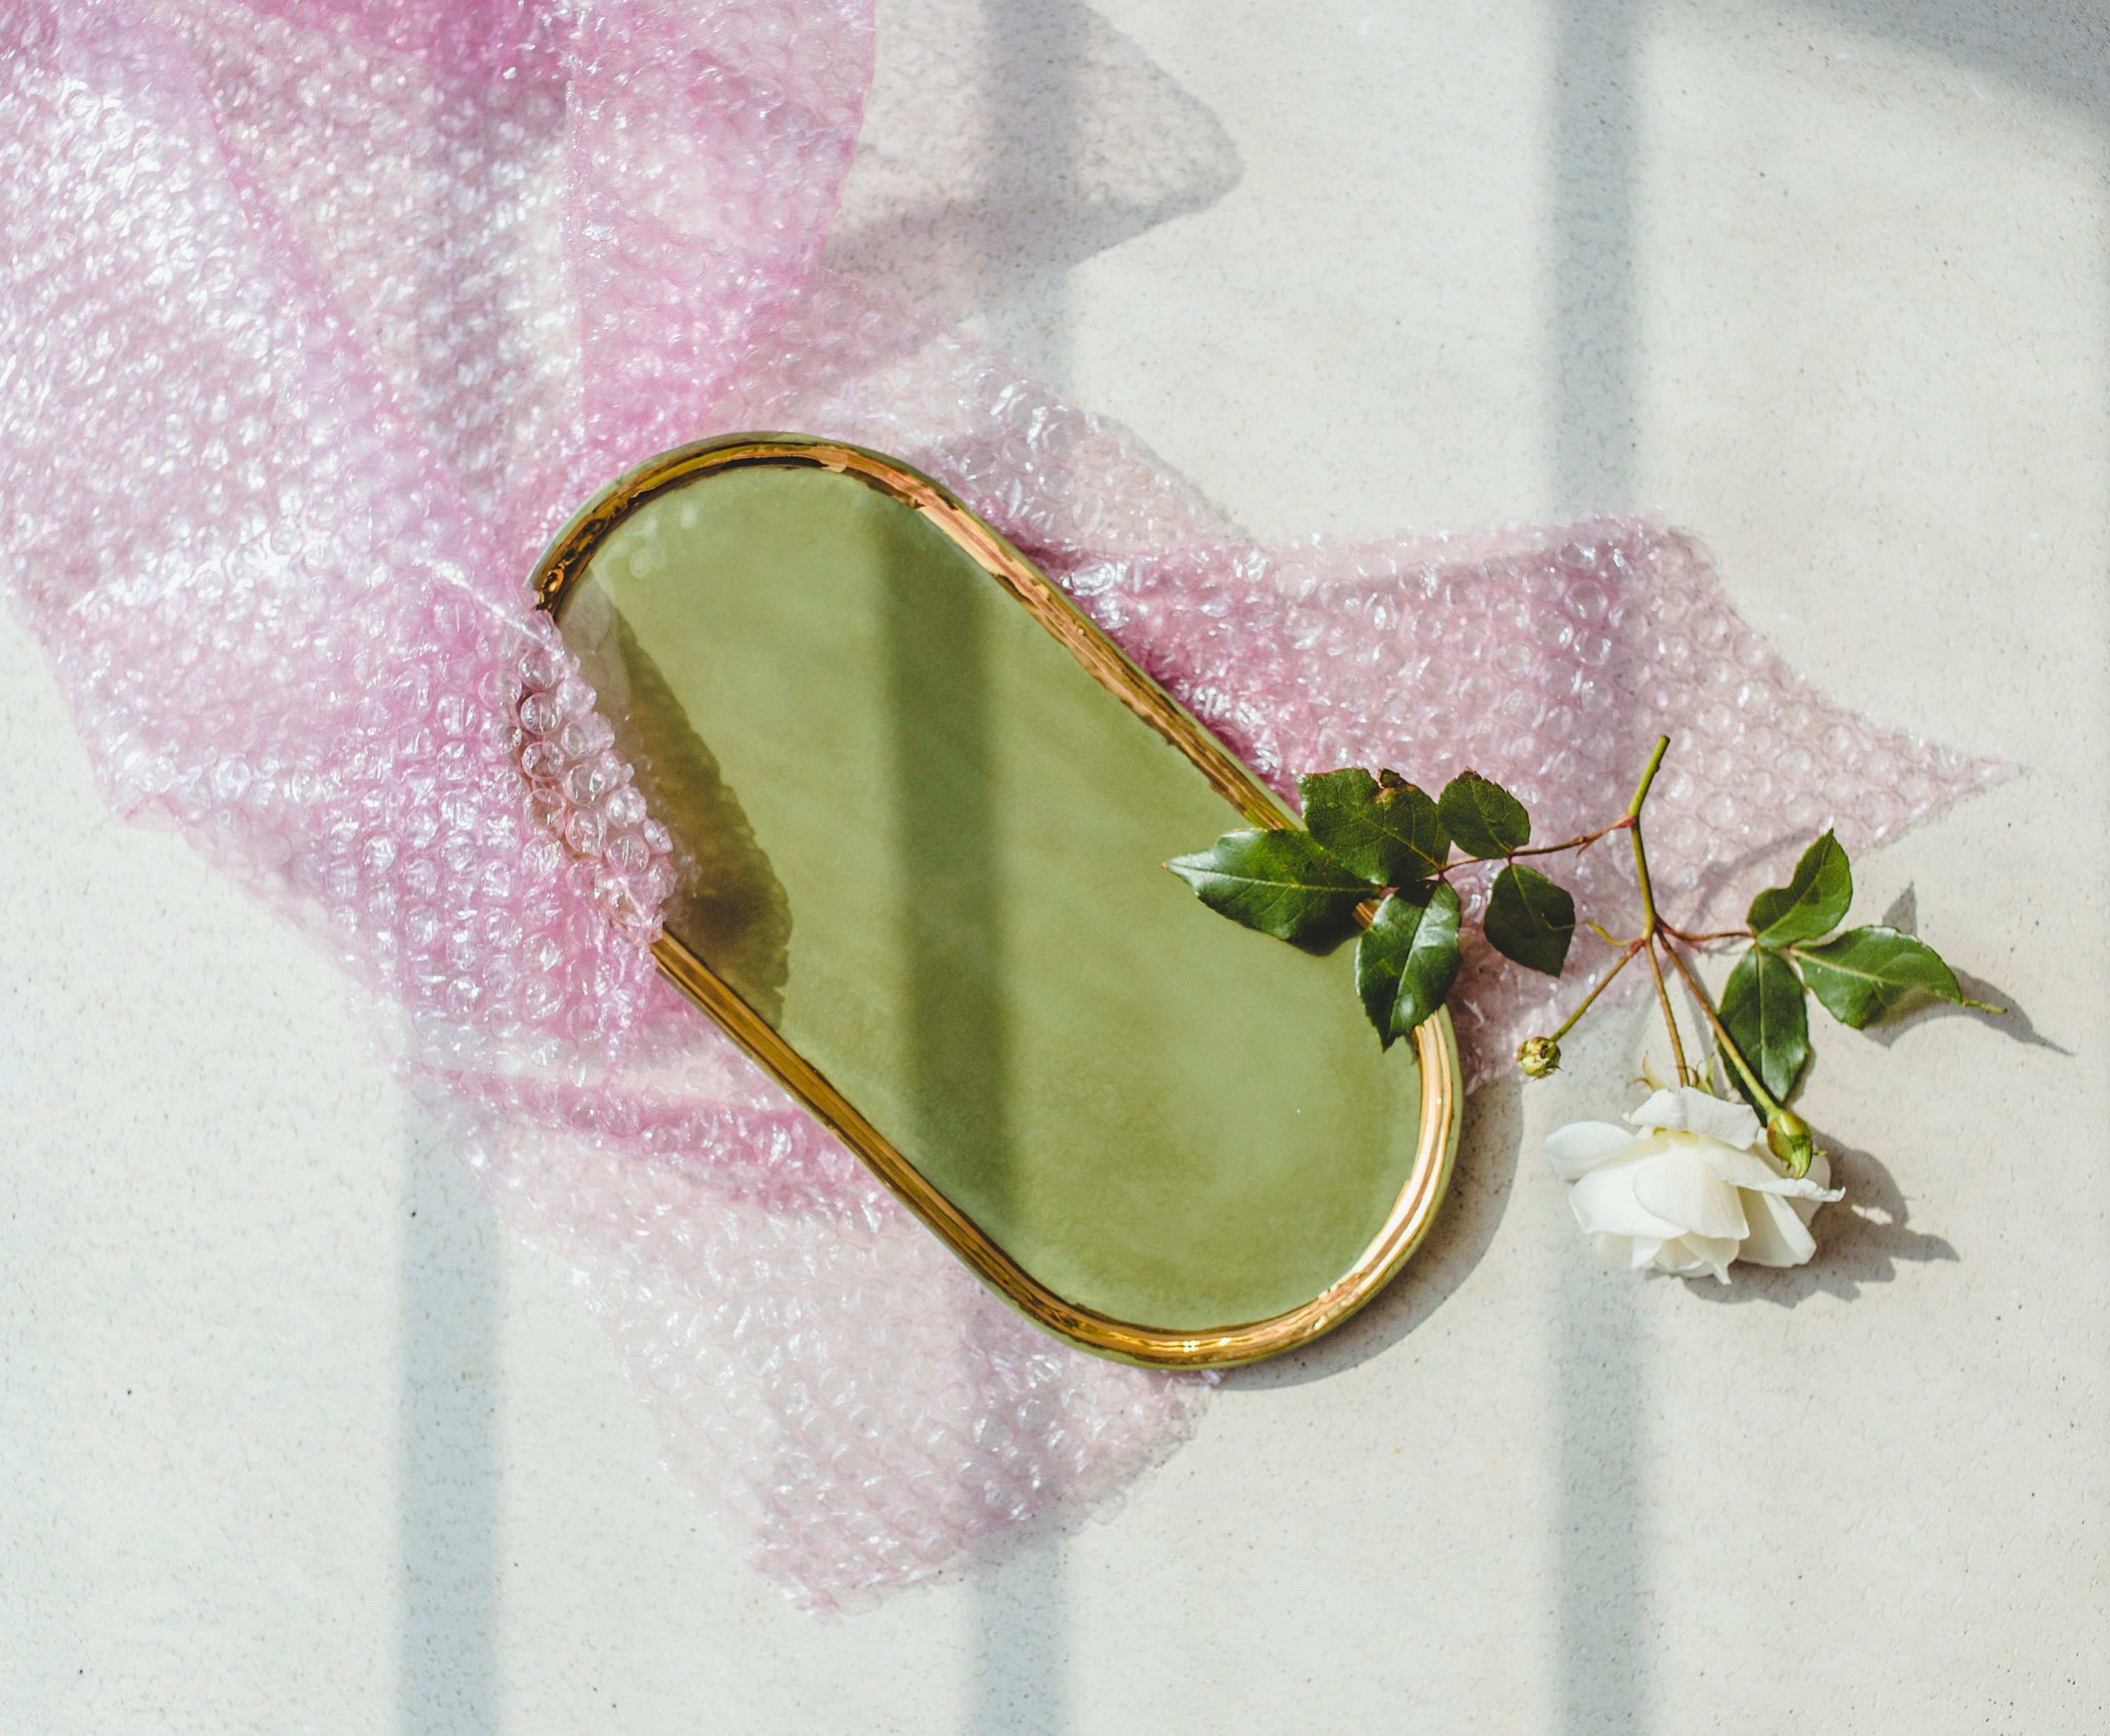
(920, 808)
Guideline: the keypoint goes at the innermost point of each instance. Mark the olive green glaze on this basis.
(925, 845)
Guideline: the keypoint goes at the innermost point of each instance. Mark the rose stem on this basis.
(1603, 982)
(1702, 940)
(1584, 842)
(1579, 844)
(1729, 1043)
(1649, 921)
(1684, 1074)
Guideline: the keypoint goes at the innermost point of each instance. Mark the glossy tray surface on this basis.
(922, 809)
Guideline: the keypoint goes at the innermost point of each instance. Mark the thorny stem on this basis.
(1603, 982)
(1728, 1044)
(1657, 936)
(1624, 822)
(1702, 940)
(1582, 843)
(1642, 788)
(1578, 845)
(1686, 1075)
(1650, 921)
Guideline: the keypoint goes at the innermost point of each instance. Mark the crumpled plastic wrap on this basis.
(319, 319)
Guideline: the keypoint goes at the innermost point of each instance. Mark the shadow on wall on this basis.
(2052, 48)
(959, 1057)
(1003, 144)
(1593, 354)
(447, 1499)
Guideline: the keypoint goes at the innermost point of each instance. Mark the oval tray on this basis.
(920, 807)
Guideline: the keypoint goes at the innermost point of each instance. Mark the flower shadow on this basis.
(1481, 1185)
(1861, 1240)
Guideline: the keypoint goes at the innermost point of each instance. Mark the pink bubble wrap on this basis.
(320, 318)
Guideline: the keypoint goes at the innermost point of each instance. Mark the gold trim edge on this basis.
(1442, 1096)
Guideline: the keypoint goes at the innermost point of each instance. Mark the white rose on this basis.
(1693, 1190)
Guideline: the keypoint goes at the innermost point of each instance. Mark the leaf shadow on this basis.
(1481, 1185)
(2014, 1023)
(1861, 1240)
(1322, 943)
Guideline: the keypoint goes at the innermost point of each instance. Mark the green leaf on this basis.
(1811, 905)
(1867, 974)
(1763, 1010)
(1408, 957)
(1484, 819)
(1382, 827)
(1280, 882)
(1530, 919)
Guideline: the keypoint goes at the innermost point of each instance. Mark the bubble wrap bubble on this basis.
(320, 318)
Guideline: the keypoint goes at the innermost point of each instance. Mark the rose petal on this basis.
(1680, 1188)
(1674, 1258)
(1686, 1110)
(1820, 1172)
(1760, 1171)
(1690, 1256)
(1604, 1205)
(1778, 1236)
(1578, 1148)
(1615, 1253)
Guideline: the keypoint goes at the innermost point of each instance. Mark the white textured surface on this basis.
(1828, 284)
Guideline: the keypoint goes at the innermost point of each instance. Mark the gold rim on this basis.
(1436, 1041)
